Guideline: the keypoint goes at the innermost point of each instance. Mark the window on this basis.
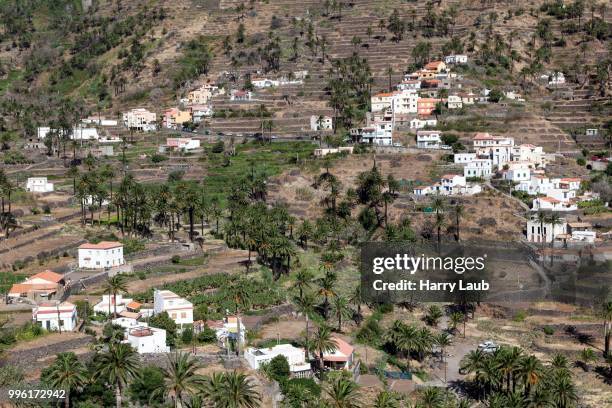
(183, 315)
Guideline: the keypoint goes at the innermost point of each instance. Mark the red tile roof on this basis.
(342, 353)
(48, 276)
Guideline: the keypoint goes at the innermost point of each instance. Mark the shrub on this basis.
(207, 335)
(520, 316)
(175, 259)
(157, 158)
(581, 161)
(549, 331)
(278, 368)
(187, 335)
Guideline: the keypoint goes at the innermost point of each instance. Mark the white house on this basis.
(181, 143)
(108, 303)
(537, 184)
(199, 112)
(239, 95)
(409, 84)
(454, 184)
(325, 123)
(420, 123)
(81, 133)
(147, 339)
(496, 148)
(99, 120)
(77, 133)
(478, 168)
(102, 255)
(456, 59)
(180, 310)
(264, 82)
(381, 101)
(342, 357)
(552, 204)
(325, 152)
(404, 102)
(423, 190)
(454, 102)
(379, 133)
(529, 153)
(140, 119)
(56, 316)
(517, 175)
(428, 139)
(39, 185)
(538, 232)
(298, 367)
(556, 78)
(450, 182)
(464, 158)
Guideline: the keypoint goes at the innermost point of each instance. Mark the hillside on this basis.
(109, 55)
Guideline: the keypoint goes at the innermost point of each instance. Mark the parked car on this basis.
(488, 346)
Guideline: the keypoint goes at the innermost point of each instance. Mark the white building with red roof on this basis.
(55, 316)
(145, 339)
(552, 204)
(342, 357)
(44, 285)
(105, 254)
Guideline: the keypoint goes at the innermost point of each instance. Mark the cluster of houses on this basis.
(412, 104)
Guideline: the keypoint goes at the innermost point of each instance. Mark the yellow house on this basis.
(174, 118)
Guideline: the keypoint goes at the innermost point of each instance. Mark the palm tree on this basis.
(231, 390)
(459, 211)
(454, 319)
(433, 316)
(241, 297)
(356, 300)
(439, 223)
(553, 220)
(541, 217)
(473, 362)
(606, 314)
(180, 378)
(118, 366)
(303, 280)
(67, 373)
(115, 285)
(587, 355)
(443, 340)
(343, 393)
(386, 399)
(326, 289)
(323, 343)
(431, 397)
(530, 371)
(438, 204)
(389, 74)
(564, 392)
(340, 309)
(306, 306)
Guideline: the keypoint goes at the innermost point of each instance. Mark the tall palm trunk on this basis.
(118, 396)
